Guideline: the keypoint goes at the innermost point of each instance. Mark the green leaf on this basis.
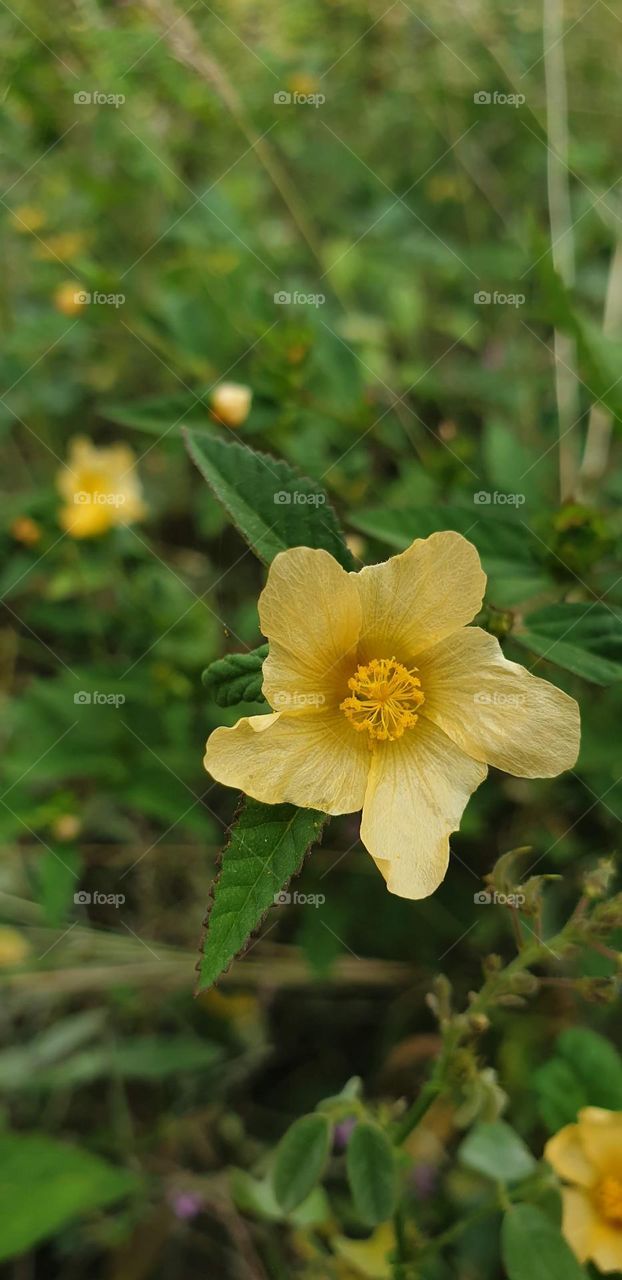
(272, 506)
(532, 1248)
(45, 1184)
(236, 678)
(583, 638)
(372, 1173)
(267, 846)
(57, 875)
(300, 1160)
(497, 1151)
(585, 1071)
(502, 541)
(559, 1092)
(257, 1198)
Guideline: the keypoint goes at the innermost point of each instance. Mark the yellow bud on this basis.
(231, 402)
(25, 530)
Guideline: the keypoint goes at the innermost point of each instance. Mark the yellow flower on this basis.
(231, 402)
(28, 218)
(101, 489)
(14, 948)
(588, 1156)
(368, 1258)
(384, 700)
(70, 299)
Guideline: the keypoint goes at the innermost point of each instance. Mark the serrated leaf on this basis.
(267, 846)
(533, 1248)
(236, 678)
(497, 1152)
(300, 1160)
(46, 1184)
(372, 1173)
(583, 638)
(272, 506)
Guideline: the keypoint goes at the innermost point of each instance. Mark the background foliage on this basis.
(397, 201)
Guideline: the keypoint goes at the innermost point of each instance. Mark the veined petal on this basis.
(415, 599)
(418, 788)
(565, 1152)
(310, 611)
(581, 1226)
(316, 761)
(497, 711)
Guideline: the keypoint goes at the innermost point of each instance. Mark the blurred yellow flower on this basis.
(14, 948)
(28, 218)
(64, 245)
(26, 530)
(231, 402)
(368, 1258)
(384, 700)
(70, 298)
(588, 1157)
(101, 489)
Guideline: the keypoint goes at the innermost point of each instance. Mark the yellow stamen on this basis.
(609, 1199)
(384, 699)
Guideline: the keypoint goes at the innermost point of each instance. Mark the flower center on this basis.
(384, 699)
(609, 1199)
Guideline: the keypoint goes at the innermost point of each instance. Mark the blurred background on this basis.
(343, 207)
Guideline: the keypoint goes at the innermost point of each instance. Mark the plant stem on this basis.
(562, 240)
(596, 455)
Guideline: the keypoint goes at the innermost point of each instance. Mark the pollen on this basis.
(609, 1199)
(384, 699)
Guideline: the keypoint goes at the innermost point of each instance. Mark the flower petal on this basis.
(316, 761)
(418, 788)
(606, 1246)
(564, 1151)
(415, 599)
(601, 1138)
(495, 710)
(310, 611)
(581, 1225)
